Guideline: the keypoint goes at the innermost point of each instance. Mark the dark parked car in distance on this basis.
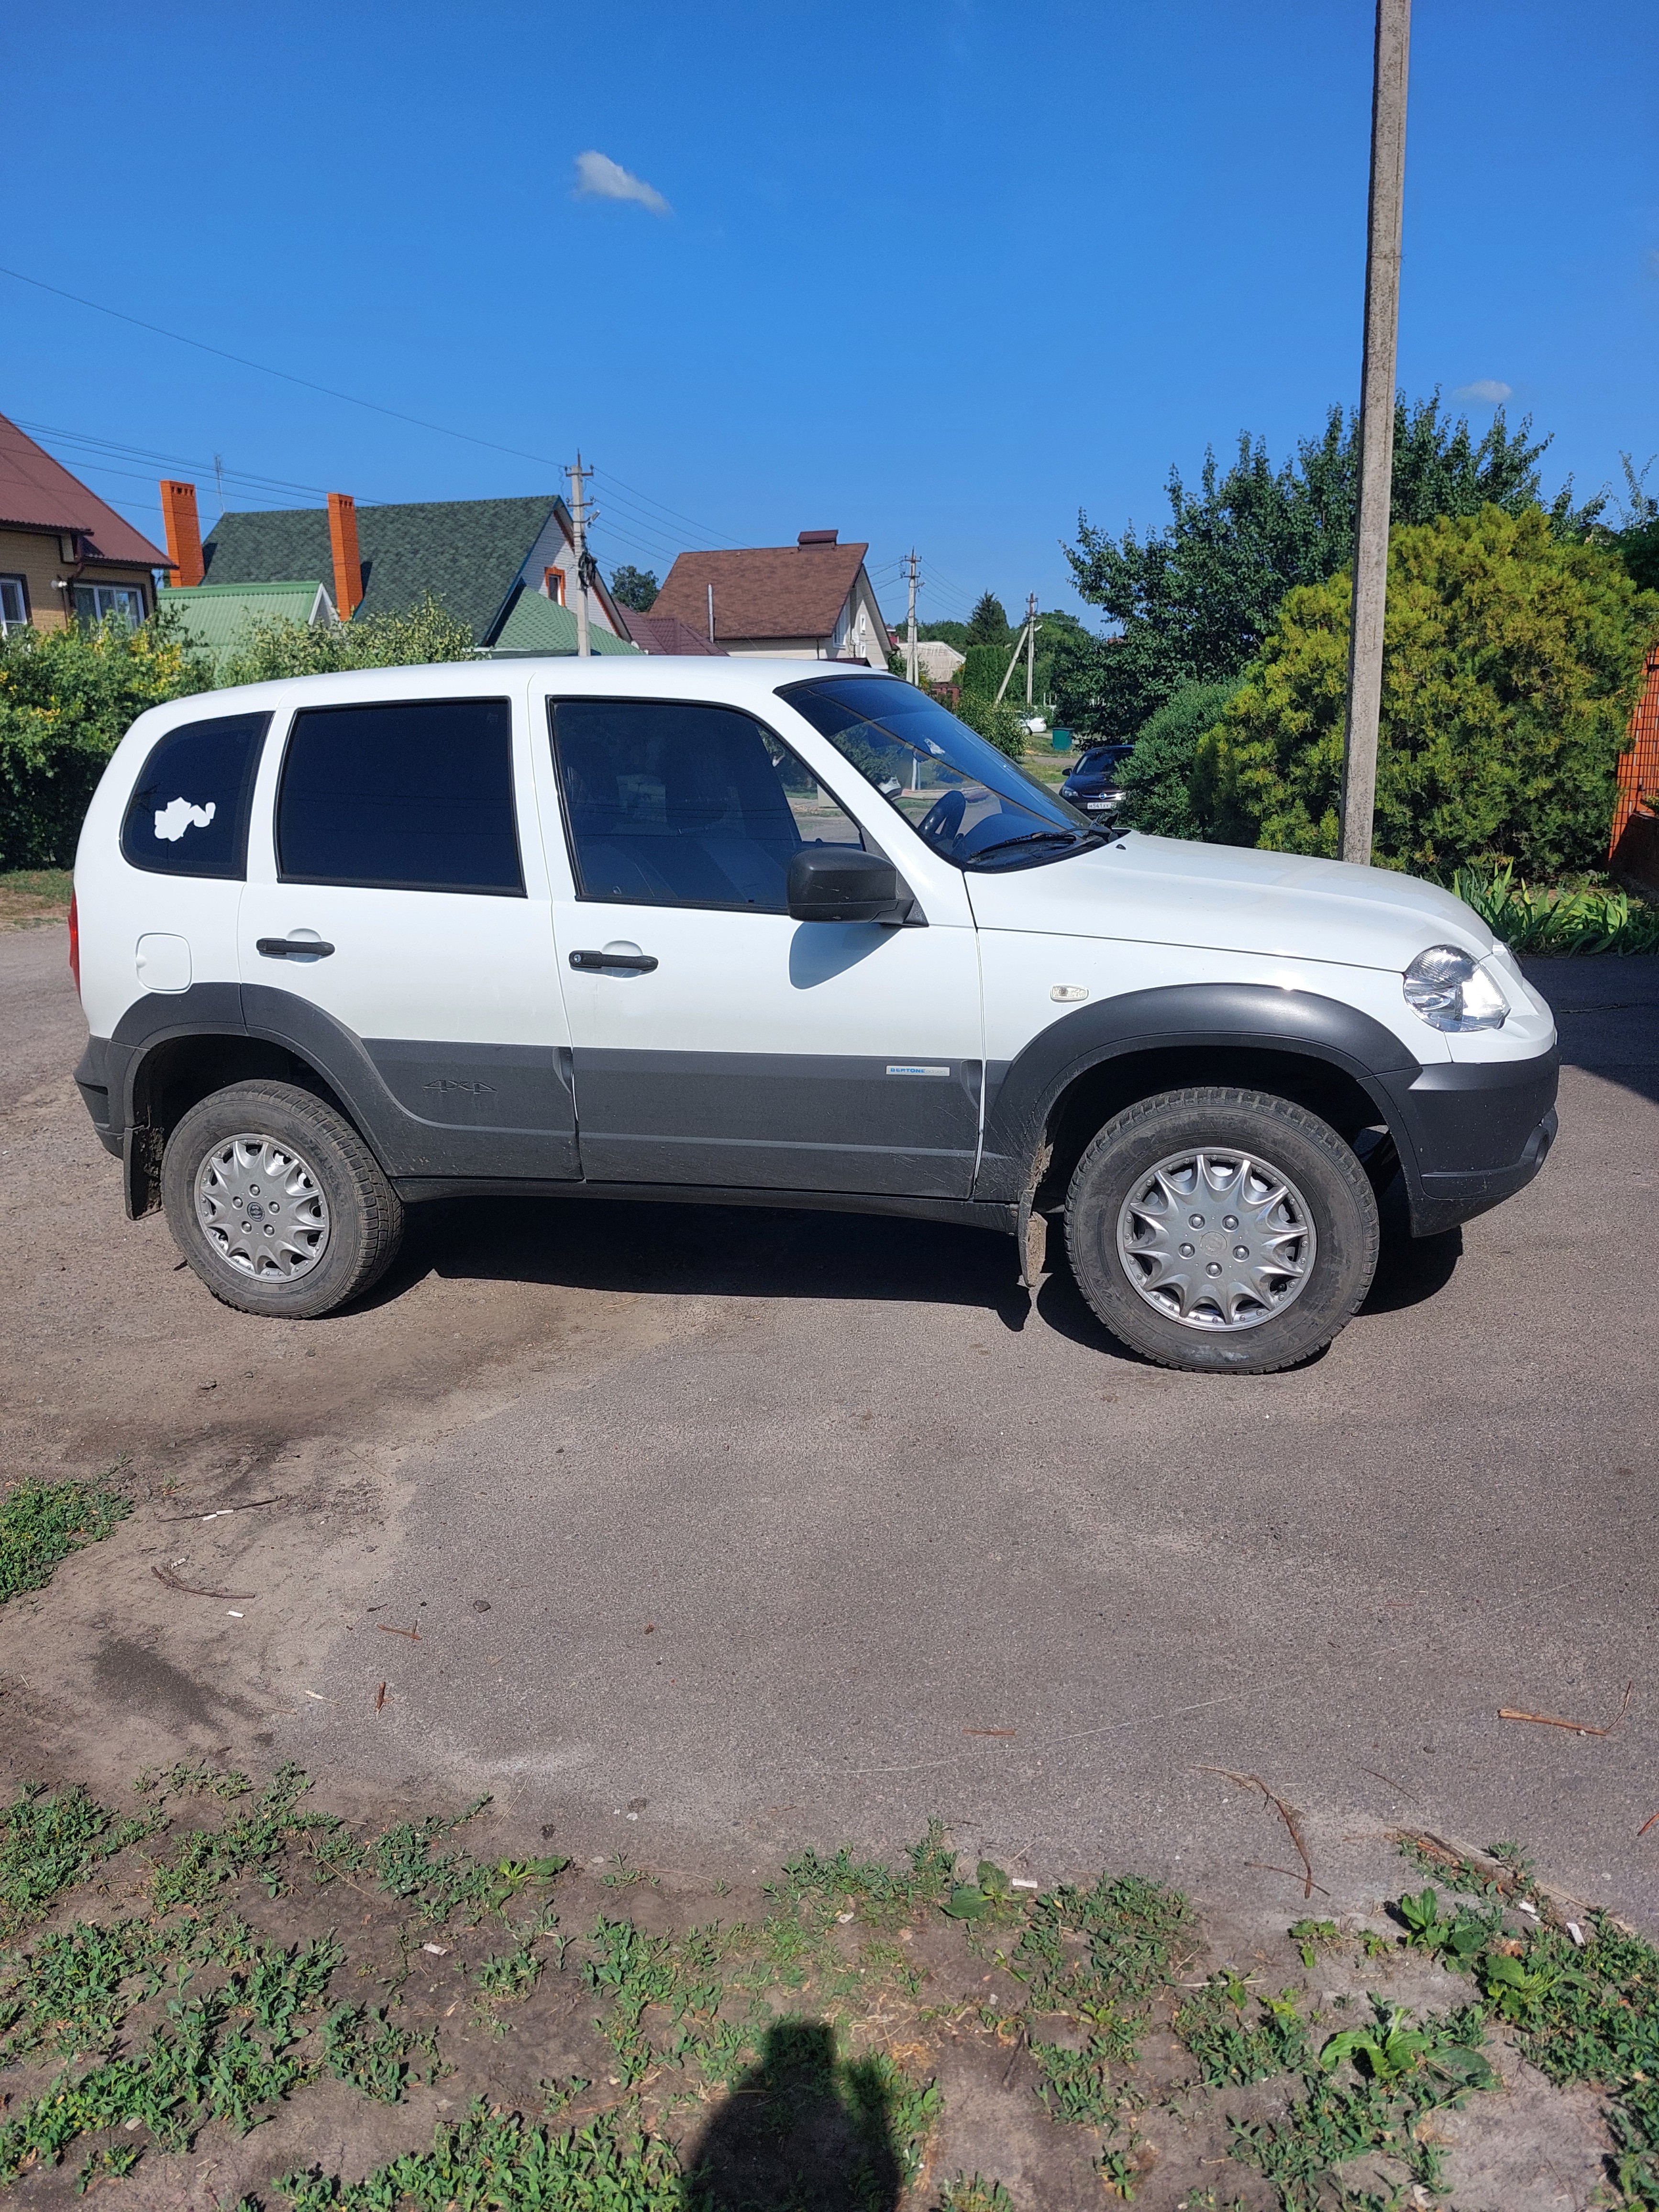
(1095, 783)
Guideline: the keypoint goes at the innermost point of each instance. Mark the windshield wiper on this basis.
(1035, 838)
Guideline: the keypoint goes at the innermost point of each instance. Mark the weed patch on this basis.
(42, 1522)
(1217, 2028)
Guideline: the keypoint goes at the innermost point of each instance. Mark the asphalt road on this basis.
(766, 1527)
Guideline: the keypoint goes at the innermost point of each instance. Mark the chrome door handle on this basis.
(295, 948)
(639, 963)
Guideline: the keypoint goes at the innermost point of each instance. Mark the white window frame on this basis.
(97, 591)
(15, 588)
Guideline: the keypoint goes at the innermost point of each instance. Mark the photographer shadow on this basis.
(803, 2130)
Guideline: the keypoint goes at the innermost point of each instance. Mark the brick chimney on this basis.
(348, 562)
(184, 532)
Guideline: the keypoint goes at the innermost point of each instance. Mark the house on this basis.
(215, 614)
(660, 633)
(64, 556)
(479, 556)
(808, 601)
(936, 660)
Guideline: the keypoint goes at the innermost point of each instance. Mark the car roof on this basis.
(653, 675)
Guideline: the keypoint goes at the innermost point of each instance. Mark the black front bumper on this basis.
(1471, 1133)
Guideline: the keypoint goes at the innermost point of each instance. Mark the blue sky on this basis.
(936, 274)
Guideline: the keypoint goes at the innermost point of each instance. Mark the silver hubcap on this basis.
(261, 1208)
(1217, 1240)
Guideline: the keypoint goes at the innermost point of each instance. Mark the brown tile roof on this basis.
(667, 633)
(763, 590)
(37, 493)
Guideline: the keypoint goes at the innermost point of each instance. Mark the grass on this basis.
(34, 895)
(737, 2055)
(1535, 919)
(42, 1522)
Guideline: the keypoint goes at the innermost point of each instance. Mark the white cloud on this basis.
(599, 178)
(1484, 392)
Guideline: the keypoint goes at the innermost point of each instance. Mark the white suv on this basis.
(765, 932)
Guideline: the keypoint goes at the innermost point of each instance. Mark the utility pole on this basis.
(910, 570)
(1023, 643)
(585, 565)
(1377, 398)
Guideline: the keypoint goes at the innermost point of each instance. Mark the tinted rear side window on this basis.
(188, 812)
(414, 795)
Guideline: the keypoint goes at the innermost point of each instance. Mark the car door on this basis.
(400, 837)
(716, 1040)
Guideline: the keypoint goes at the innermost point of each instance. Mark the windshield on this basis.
(968, 801)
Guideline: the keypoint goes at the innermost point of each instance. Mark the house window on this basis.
(553, 584)
(95, 602)
(14, 604)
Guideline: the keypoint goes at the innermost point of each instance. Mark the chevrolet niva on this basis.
(771, 932)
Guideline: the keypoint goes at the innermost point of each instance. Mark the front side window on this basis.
(188, 812)
(96, 603)
(409, 795)
(973, 805)
(14, 604)
(681, 804)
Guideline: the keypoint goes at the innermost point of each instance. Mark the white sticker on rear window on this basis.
(172, 821)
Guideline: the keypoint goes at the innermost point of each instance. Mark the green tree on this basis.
(1195, 599)
(67, 698)
(1158, 776)
(634, 588)
(982, 668)
(1637, 536)
(1512, 658)
(989, 623)
(273, 646)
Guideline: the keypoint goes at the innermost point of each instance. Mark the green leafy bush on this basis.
(1158, 775)
(274, 646)
(67, 698)
(1512, 661)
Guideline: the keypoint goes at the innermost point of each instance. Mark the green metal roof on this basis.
(468, 552)
(215, 614)
(536, 624)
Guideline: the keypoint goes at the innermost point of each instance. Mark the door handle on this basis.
(292, 948)
(639, 963)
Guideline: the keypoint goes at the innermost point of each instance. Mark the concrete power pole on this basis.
(910, 634)
(1030, 645)
(1376, 395)
(584, 561)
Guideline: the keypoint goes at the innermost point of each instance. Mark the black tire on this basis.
(355, 1219)
(1335, 1198)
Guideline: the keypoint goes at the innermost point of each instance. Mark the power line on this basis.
(330, 392)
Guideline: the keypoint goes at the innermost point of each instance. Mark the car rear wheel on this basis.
(276, 1202)
(1221, 1230)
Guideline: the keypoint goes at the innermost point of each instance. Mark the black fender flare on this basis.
(1021, 1096)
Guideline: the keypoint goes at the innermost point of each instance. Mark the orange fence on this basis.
(1638, 768)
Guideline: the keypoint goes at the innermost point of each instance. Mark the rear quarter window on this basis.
(409, 795)
(189, 810)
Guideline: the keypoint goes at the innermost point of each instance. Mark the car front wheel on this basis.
(1221, 1230)
(276, 1202)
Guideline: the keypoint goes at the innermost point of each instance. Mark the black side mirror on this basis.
(831, 882)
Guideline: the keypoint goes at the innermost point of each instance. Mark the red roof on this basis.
(764, 590)
(668, 634)
(37, 493)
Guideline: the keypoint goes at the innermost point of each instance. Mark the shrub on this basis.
(1003, 723)
(1158, 774)
(273, 646)
(67, 697)
(1512, 661)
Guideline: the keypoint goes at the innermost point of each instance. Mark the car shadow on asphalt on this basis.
(717, 1251)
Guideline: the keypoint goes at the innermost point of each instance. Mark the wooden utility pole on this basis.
(1377, 398)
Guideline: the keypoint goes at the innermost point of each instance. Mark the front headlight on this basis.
(1451, 990)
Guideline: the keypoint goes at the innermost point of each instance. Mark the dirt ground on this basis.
(277, 1470)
